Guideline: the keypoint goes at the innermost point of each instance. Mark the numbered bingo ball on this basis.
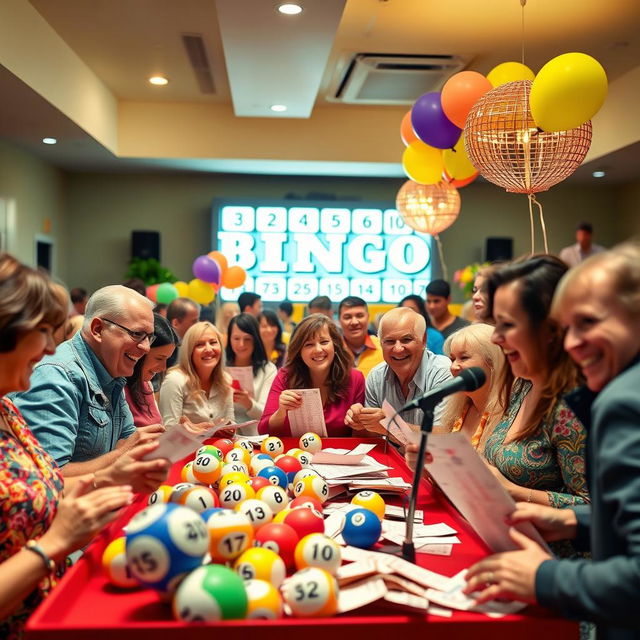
(230, 533)
(310, 442)
(280, 538)
(305, 521)
(276, 497)
(160, 495)
(206, 468)
(230, 467)
(209, 448)
(362, 528)
(289, 465)
(275, 476)
(370, 500)
(258, 483)
(311, 593)
(210, 594)
(311, 487)
(307, 502)
(114, 564)
(186, 474)
(199, 498)
(205, 515)
(318, 550)
(238, 454)
(303, 457)
(305, 473)
(224, 444)
(260, 461)
(233, 494)
(233, 477)
(179, 489)
(281, 515)
(164, 542)
(260, 563)
(258, 512)
(265, 602)
(244, 444)
(272, 446)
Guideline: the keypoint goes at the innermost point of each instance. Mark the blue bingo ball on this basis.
(164, 542)
(208, 512)
(362, 528)
(275, 476)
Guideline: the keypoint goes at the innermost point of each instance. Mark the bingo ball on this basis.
(303, 457)
(260, 563)
(233, 494)
(206, 514)
(370, 500)
(114, 563)
(311, 487)
(275, 497)
(305, 521)
(281, 515)
(230, 467)
(292, 452)
(310, 442)
(258, 512)
(224, 444)
(164, 542)
(305, 473)
(275, 476)
(265, 602)
(280, 538)
(272, 446)
(160, 495)
(260, 461)
(238, 454)
(179, 489)
(311, 593)
(289, 465)
(307, 502)
(210, 594)
(206, 468)
(199, 498)
(362, 528)
(186, 473)
(209, 448)
(233, 477)
(230, 534)
(258, 483)
(244, 444)
(318, 550)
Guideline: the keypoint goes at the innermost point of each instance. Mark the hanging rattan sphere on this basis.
(504, 144)
(428, 208)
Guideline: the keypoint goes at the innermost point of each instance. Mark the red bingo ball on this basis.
(280, 538)
(308, 502)
(289, 465)
(224, 444)
(258, 482)
(305, 521)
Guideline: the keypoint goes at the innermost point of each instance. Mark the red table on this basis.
(85, 606)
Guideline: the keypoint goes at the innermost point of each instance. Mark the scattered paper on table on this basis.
(360, 594)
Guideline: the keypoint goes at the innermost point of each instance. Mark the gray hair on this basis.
(397, 314)
(112, 301)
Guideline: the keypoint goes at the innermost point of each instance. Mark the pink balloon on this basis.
(152, 292)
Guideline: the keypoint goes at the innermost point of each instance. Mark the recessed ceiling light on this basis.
(159, 81)
(598, 174)
(49, 141)
(290, 8)
(278, 108)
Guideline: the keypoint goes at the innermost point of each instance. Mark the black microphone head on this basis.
(474, 378)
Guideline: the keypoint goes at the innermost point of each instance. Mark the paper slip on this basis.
(175, 443)
(434, 610)
(397, 427)
(393, 511)
(322, 457)
(398, 538)
(334, 524)
(362, 448)
(310, 416)
(333, 472)
(403, 584)
(382, 484)
(206, 433)
(420, 530)
(435, 549)
(244, 375)
(407, 600)
(355, 571)
(361, 594)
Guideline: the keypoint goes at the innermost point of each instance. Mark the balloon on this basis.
(220, 259)
(234, 277)
(166, 293)
(407, 133)
(201, 292)
(206, 269)
(430, 123)
(509, 72)
(182, 288)
(151, 292)
(567, 92)
(458, 184)
(460, 92)
(457, 163)
(422, 163)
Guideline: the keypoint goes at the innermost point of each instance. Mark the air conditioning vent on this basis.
(197, 54)
(394, 79)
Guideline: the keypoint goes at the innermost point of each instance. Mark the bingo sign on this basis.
(295, 251)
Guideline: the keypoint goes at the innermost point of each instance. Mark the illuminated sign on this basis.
(295, 251)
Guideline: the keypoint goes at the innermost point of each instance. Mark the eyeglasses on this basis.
(136, 336)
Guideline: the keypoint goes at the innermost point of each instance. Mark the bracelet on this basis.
(32, 545)
(530, 495)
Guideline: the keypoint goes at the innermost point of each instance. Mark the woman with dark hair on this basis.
(138, 390)
(435, 340)
(317, 358)
(244, 349)
(271, 335)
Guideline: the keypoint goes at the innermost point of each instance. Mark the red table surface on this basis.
(84, 605)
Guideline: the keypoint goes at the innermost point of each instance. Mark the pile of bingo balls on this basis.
(221, 543)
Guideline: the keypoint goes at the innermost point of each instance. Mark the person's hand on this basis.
(242, 397)
(81, 514)
(289, 400)
(352, 417)
(553, 524)
(510, 575)
(148, 433)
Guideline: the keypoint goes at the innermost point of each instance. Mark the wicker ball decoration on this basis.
(428, 208)
(504, 144)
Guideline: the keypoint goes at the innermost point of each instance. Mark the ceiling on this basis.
(78, 70)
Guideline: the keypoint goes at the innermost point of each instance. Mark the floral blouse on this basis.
(552, 460)
(30, 486)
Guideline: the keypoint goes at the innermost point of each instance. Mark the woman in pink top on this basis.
(316, 358)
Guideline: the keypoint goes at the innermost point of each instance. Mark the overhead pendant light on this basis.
(49, 141)
(158, 81)
(290, 8)
(278, 108)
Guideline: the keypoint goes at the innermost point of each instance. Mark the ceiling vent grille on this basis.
(394, 79)
(197, 54)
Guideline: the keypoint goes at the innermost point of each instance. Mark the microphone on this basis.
(469, 380)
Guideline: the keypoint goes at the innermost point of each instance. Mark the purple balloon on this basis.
(206, 269)
(431, 125)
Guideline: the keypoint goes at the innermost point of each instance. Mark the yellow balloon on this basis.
(183, 288)
(423, 164)
(567, 92)
(200, 291)
(457, 163)
(509, 72)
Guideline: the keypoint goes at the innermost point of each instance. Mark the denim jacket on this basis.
(76, 410)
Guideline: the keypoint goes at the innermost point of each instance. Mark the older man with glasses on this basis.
(76, 405)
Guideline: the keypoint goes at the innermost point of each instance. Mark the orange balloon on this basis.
(220, 259)
(460, 92)
(234, 277)
(406, 130)
(458, 184)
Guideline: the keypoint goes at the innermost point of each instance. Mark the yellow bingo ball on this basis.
(281, 515)
(312, 487)
(260, 563)
(233, 494)
(303, 457)
(318, 550)
(186, 473)
(311, 442)
(244, 444)
(311, 593)
(206, 468)
(114, 563)
(233, 477)
(258, 512)
(265, 602)
(238, 454)
(272, 446)
(370, 500)
(276, 497)
(304, 473)
(230, 533)
(160, 495)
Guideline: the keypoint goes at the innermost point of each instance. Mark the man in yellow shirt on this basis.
(353, 315)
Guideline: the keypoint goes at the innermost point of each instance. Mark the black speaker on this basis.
(145, 244)
(498, 249)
